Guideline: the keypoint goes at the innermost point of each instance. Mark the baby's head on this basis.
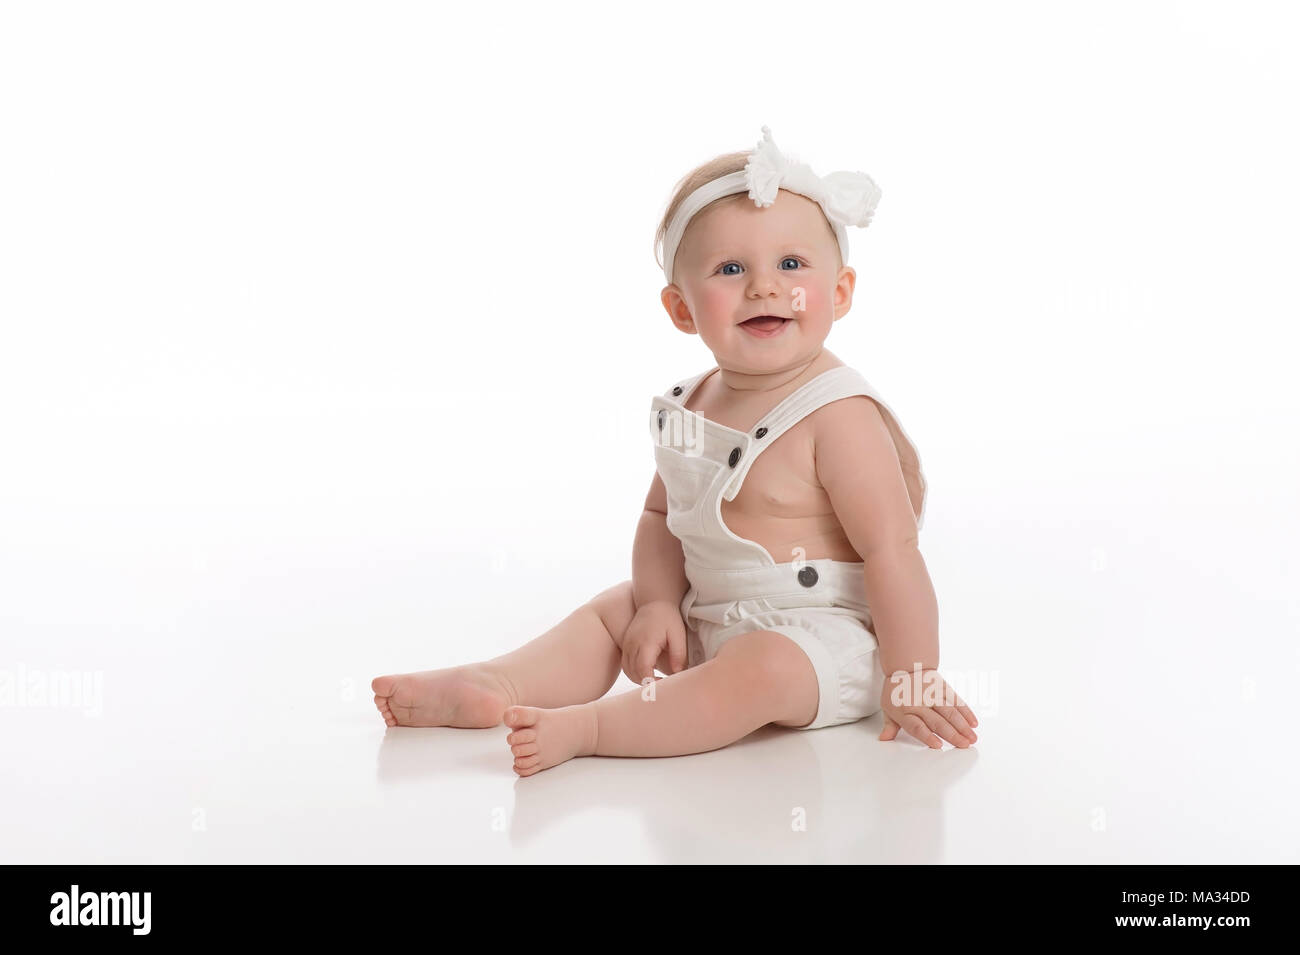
(736, 261)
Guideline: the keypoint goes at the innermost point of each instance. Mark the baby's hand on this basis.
(922, 702)
(657, 626)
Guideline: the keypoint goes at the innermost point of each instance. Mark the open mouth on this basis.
(765, 326)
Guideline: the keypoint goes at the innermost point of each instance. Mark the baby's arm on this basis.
(658, 564)
(658, 584)
(858, 466)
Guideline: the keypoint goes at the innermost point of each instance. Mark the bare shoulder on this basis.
(857, 463)
(851, 440)
(855, 420)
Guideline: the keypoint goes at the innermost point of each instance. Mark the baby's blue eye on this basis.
(789, 258)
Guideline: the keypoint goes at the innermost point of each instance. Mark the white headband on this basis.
(847, 198)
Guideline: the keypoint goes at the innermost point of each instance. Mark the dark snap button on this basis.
(808, 576)
(662, 414)
(677, 390)
(735, 456)
(760, 432)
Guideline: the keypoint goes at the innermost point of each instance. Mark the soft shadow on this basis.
(416, 753)
(836, 794)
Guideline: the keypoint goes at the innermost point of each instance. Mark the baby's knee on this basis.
(619, 594)
(616, 608)
(773, 664)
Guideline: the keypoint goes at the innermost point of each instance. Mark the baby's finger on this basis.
(676, 650)
(951, 733)
(890, 730)
(920, 729)
(645, 662)
(965, 710)
(629, 663)
(941, 727)
(954, 716)
(664, 664)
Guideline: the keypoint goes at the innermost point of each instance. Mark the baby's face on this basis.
(737, 261)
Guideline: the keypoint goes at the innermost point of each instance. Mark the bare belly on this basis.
(784, 508)
(781, 506)
(791, 539)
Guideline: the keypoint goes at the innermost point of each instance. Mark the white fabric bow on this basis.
(848, 198)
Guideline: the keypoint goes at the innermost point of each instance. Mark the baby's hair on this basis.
(706, 172)
(716, 167)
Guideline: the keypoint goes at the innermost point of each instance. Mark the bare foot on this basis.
(469, 696)
(544, 738)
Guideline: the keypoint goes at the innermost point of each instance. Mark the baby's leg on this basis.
(756, 678)
(575, 661)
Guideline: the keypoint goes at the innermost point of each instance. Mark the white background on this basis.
(327, 338)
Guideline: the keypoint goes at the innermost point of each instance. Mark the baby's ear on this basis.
(677, 309)
(844, 285)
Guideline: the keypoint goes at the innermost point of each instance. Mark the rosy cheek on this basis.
(717, 306)
(810, 300)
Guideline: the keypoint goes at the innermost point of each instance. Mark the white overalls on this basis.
(735, 584)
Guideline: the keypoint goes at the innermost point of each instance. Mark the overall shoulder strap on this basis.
(840, 382)
(682, 389)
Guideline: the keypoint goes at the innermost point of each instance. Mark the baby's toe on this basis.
(527, 762)
(517, 717)
(524, 749)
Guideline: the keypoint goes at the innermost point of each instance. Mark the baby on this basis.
(780, 450)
